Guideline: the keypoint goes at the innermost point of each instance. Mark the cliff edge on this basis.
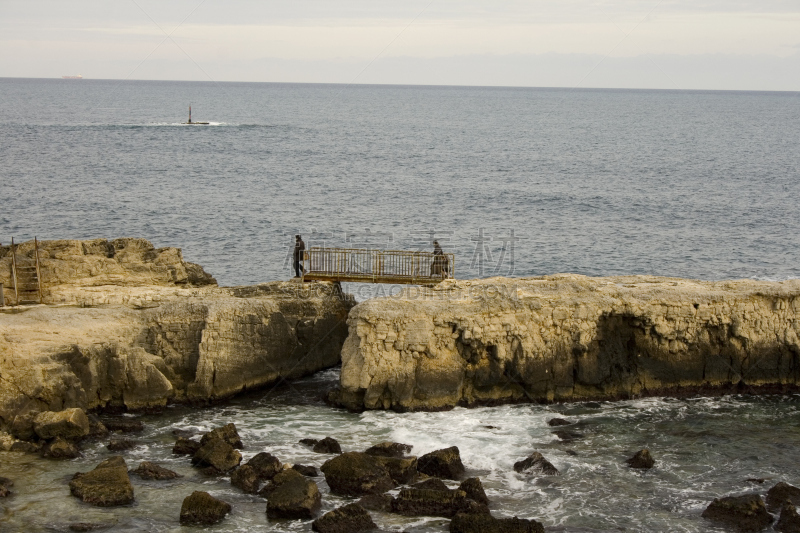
(567, 338)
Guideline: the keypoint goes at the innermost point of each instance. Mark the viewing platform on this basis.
(377, 266)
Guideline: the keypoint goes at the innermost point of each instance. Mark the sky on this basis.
(666, 44)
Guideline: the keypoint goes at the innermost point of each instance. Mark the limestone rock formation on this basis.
(148, 470)
(474, 490)
(68, 424)
(60, 448)
(217, 453)
(389, 449)
(327, 445)
(135, 336)
(356, 474)
(306, 470)
(402, 470)
(350, 518)
(201, 508)
(105, 486)
(742, 513)
(420, 502)
(265, 465)
(246, 479)
(184, 446)
(568, 338)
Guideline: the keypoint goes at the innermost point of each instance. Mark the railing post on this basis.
(14, 270)
(2, 297)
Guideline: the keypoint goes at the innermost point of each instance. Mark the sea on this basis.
(513, 181)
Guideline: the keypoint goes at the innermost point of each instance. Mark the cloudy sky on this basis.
(667, 44)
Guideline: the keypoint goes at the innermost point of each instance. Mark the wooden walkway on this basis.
(377, 266)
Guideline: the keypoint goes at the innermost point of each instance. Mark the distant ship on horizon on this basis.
(76, 77)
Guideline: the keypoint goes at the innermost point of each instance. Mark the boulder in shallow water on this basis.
(642, 459)
(742, 513)
(5, 487)
(567, 436)
(292, 495)
(486, 523)
(306, 470)
(148, 470)
(389, 449)
(218, 454)
(246, 478)
(69, 424)
(356, 474)
(420, 502)
(789, 522)
(474, 489)
(266, 465)
(536, 462)
(89, 526)
(105, 486)
(558, 422)
(347, 519)
(60, 448)
(226, 433)
(401, 469)
(782, 494)
(201, 508)
(445, 463)
(433, 483)
(309, 442)
(184, 446)
(377, 502)
(327, 445)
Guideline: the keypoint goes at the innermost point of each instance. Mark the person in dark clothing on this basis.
(299, 248)
(440, 265)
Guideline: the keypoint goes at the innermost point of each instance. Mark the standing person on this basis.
(299, 248)
(439, 267)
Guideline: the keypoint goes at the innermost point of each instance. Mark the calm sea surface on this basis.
(513, 181)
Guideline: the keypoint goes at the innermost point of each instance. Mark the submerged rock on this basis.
(5, 487)
(642, 459)
(444, 463)
(420, 502)
(486, 523)
(184, 446)
(347, 519)
(123, 425)
(60, 448)
(292, 495)
(789, 521)
(743, 513)
(782, 494)
(433, 483)
(120, 445)
(68, 424)
(226, 433)
(105, 486)
(148, 470)
(308, 471)
(309, 442)
(356, 474)
(201, 508)
(536, 462)
(558, 422)
(389, 449)
(89, 526)
(567, 436)
(327, 445)
(218, 454)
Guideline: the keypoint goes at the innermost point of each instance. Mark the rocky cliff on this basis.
(569, 337)
(138, 346)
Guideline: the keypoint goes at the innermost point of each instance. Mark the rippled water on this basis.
(599, 182)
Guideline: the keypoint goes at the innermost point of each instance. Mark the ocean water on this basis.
(513, 181)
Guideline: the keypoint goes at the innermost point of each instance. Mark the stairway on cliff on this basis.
(28, 288)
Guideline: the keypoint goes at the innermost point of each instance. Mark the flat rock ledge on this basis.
(569, 338)
(128, 326)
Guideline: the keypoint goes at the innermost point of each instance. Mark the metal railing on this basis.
(377, 266)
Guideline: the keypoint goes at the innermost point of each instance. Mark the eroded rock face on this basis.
(420, 502)
(742, 513)
(106, 486)
(201, 508)
(347, 519)
(218, 454)
(60, 448)
(356, 474)
(136, 340)
(68, 424)
(568, 338)
(246, 479)
(226, 433)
